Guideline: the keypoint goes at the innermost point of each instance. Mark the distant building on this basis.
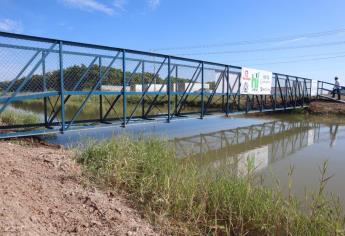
(152, 88)
(196, 87)
(114, 88)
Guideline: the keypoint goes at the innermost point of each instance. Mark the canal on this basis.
(269, 146)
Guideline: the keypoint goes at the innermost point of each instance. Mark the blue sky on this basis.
(301, 37)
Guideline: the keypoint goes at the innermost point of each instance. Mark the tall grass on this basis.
(183, 199)
(13, 117)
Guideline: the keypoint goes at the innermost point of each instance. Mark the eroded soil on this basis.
(42, 192)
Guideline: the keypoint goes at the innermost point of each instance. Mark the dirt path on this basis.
(42, 193)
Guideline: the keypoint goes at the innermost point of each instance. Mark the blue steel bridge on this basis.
(74, 86)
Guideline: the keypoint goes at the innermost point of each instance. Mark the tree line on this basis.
(72, 79)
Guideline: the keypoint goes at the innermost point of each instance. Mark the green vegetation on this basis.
(13, 117)
(183, 199)
(74, 72)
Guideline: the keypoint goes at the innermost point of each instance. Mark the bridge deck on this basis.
(91, 126)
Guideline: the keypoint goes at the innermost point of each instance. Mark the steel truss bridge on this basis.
(72, 86)
(268, 142)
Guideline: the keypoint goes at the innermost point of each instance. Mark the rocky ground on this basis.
(42, 192)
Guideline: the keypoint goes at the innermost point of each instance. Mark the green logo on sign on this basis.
(255, 81)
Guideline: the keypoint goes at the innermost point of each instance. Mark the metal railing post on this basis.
(100, 96)
(169, 89)
(124, 83)
(142, 89)
(202, 90)
(176, 86)
(295, 92)
(239, 93)
(286, 94)
(227, 91)
(62, 88)
(44, 89)
(275, 92)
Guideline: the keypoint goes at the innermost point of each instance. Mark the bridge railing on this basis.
(72, 85)
(325, 89)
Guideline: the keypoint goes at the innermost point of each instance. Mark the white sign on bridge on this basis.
(313, 90)
(258, 82)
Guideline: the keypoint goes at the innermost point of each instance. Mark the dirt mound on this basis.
(42, 193)
(327, 108)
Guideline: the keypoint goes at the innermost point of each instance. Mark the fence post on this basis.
(124, 83)
(169, 89)
(62, 88)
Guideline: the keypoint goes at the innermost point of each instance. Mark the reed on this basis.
(182, 199)
(13, 117)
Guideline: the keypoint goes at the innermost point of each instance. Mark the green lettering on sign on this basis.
(255, 81)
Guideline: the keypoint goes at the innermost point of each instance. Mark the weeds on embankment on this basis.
(13, 117)
(182, 199)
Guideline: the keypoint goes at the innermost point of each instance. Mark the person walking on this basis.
(336, 89)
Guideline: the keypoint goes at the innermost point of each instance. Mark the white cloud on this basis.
(292, 40)
(153, 4)
(90, 5)
(120, 4)
(9, 25)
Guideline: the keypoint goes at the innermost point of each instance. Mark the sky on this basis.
(298, 37)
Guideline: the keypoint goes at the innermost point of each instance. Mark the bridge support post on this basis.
(62, 88)
(124, 105)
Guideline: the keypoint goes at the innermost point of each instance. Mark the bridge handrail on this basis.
(111, 48)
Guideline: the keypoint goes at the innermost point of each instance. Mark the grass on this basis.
(184, 200)
(13, 117)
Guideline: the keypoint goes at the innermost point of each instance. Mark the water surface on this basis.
(270, 146)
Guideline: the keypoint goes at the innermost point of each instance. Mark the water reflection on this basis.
(333, 134)
(270, 149)
(259, 144)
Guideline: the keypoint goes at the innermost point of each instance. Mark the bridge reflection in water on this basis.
(253, 147)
